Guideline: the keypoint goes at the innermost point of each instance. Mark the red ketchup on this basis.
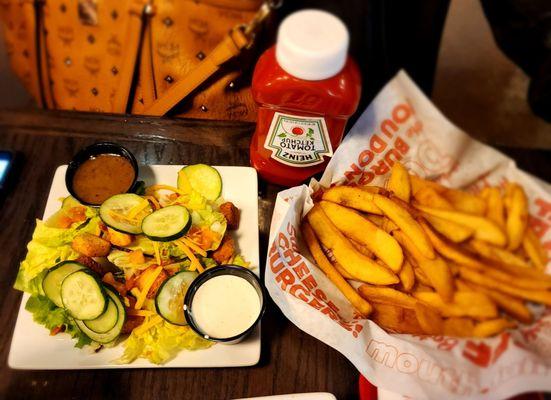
(306, 87)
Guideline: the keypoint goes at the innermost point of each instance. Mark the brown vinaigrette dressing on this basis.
(101, 177)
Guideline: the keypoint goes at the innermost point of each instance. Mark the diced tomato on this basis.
(77, 213)
(57, 330)
(64, 222)
(110, 279)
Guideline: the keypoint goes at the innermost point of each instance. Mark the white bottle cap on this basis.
(312, 45)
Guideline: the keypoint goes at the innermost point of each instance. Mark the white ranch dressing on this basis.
(225, 306)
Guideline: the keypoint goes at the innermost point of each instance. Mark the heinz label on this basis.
(298, 141)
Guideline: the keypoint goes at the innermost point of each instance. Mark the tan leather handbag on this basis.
(150, 57)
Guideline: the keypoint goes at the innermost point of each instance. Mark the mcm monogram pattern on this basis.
(182, 35)
(85, 54)
(85, 43)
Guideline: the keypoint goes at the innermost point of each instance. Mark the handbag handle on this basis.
(240, 37)
(137, 10)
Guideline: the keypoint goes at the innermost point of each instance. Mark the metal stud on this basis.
(68, 61)
(91, 39)
(114, 71)
(169, 79)
(94, 91)
(231, 85)
(200, 55)
(168, 22)
(141, 101)
(204, 108)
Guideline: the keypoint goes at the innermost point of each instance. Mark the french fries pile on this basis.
(432, 260)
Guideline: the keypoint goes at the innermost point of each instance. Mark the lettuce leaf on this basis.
(161, 343)
(48, 314)
(122, 260)
(240, 260)
(48, 247)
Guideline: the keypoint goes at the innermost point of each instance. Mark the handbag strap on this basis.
(137, 10)
(238, 38)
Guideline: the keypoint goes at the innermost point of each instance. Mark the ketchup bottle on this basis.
(306, 87)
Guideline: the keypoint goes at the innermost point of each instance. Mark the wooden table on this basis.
(291, 360)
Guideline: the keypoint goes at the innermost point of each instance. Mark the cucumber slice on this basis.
(106, 321)
(83, 295)
(170, 297)
(167, 223)
(203, 179)
(115, 208)
(51, 284)
(113, 333)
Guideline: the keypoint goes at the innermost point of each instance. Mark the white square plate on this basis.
(33, 348)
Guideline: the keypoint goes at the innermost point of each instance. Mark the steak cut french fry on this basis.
(458, 327)
(325, 265)
(356, 264)
(516, 205)
(453, 231)
(353, 197)
(377, 294)
(396, 319)
(484, 229)
(362, 248)
(360, 229)
(432, 260)
(494, 206)
(465, 202)
(429, 319)
(407, 276)
(492, 327)
(403, 219)
(436, 270)
(534, 250)
(497, 254)
(375, 219)
(511, 305)
(427, 196)
(399, 182)
(342, 271)
(517, 281)
(418, 183)
(538, 296)
(464, 304)
(421, 277)
(450, 251)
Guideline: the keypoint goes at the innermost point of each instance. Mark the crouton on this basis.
(90, 245)
(231, 213)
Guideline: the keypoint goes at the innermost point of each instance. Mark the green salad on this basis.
(119, 273)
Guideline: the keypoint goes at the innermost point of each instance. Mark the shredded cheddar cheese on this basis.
(140, 330)
(157, 253)
(120, 216)
(147, 285)
(194, 247)
(154, 188)
(138, 208)
(154, 201)
(140, 313)
(195, 264)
